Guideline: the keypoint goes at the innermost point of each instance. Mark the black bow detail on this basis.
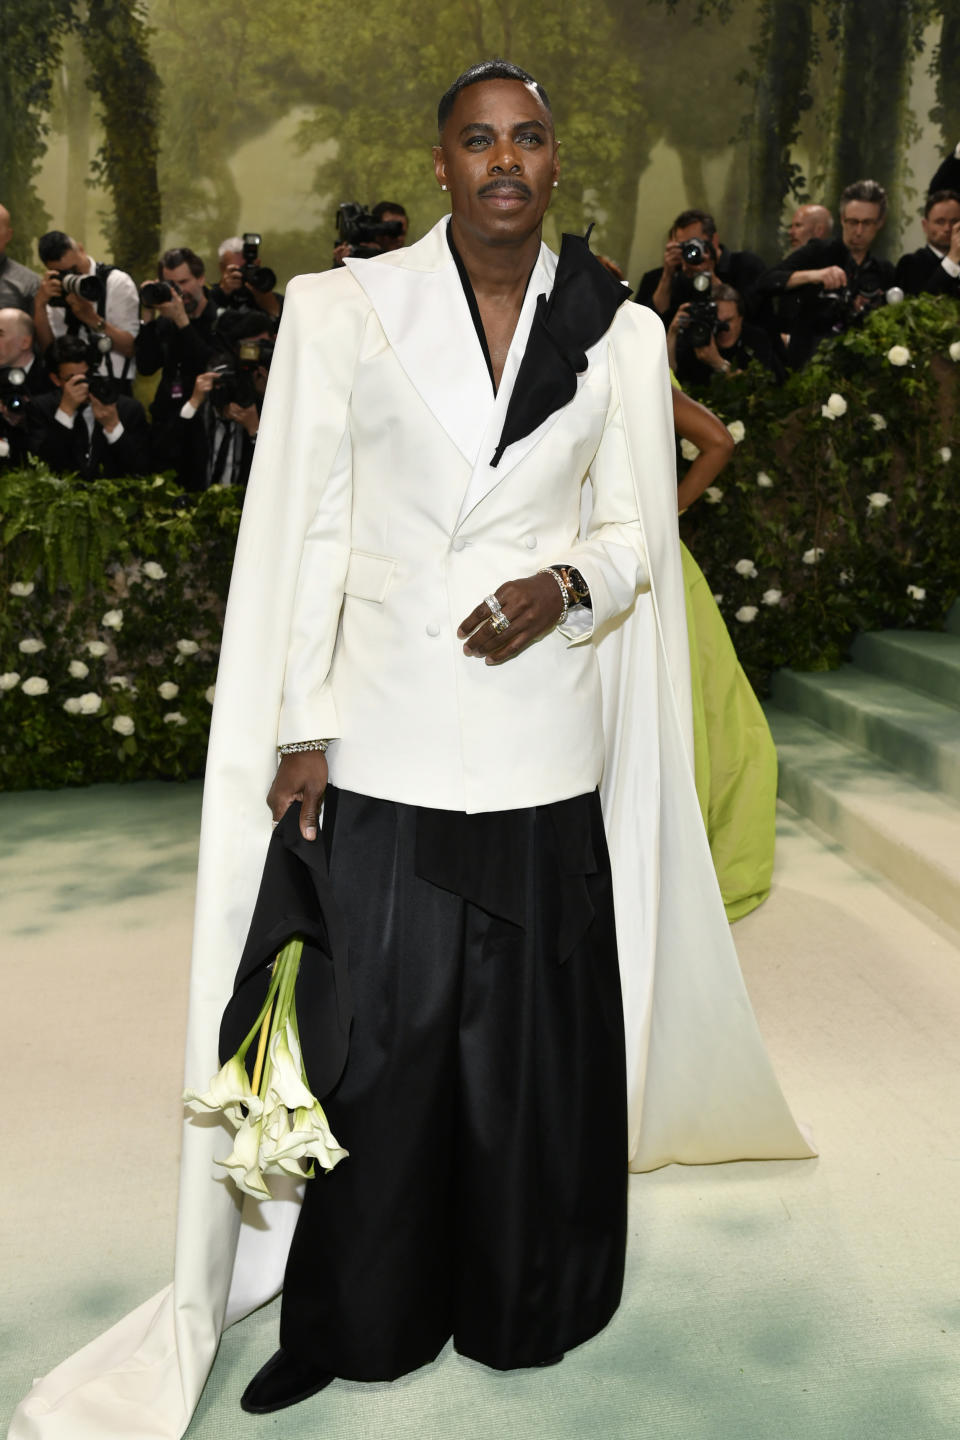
(577, 313)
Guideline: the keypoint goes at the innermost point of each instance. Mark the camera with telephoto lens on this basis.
(157, 292)
(14, 396)
(259, 277)
(695, 251)
(236, 373)
(86, 287)
(357, 228)
(836, 310)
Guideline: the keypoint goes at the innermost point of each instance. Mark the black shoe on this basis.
(281, 1382)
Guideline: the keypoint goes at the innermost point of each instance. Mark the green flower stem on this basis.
(268, 1001)
(286, 967)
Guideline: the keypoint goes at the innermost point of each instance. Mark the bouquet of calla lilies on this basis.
(280, 1123)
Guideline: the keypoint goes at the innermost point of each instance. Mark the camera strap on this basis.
(103, 272)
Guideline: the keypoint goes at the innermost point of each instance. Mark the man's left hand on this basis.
(954, 252)
(532, 606)
(710, 354)
(106, 416)
(85, 311)
(246, 415)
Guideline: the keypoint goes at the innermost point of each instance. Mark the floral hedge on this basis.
(110, 627)
(838, 513)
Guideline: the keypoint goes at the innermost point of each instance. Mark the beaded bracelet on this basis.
(563, 591)
(296, 747)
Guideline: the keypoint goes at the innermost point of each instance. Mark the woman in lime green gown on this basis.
(735, 757)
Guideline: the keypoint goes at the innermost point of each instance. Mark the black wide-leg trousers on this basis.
(483, 1102)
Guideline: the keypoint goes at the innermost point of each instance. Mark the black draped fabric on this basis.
(483, 1100)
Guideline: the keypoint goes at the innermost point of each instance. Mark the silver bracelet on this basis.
(296, 747)
(563, 591)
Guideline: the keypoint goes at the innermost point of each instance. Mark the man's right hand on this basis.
(303, 777)
(173, 309)
(50, 286)
(74, 394)
(672, 257)
(202, 386)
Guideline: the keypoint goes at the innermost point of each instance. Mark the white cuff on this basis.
(114, 435)
(951, 267)
(578, 624)
(62, 418)
(187, 410)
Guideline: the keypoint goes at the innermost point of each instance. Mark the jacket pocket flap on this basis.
(368, 576)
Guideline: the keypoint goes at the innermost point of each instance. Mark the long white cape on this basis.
(701, 1088)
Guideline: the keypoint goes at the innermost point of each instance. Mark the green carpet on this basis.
(762, 1301)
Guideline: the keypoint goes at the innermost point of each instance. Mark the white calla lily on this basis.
(243, 1162)
(229, 1091)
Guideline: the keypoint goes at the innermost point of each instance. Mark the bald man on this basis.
(810, 222)
(18, 285)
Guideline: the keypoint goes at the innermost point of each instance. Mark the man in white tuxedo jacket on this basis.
(457, 610)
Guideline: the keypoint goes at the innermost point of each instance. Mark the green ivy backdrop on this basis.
(837, 514)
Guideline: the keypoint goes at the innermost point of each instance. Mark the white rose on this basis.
(119, 682)
(713, 494)
(4, 448)
(836, 405)
(916, 592)
(772, 597)
(209, 693)
(898, 355)
(153, 571)
(845, 577)
(187, 647)
(112, 620)
(72, 705)
(97, 649)
(168, 691)
(31, 647)
(946, 454)
(746, 613)
(90, 703)
(764, 481)
(21, 588)
(955, 350)
(173, 717)
(688, 450)
(746, 568)
(78, 670)
(10, 680)
(718, 599)
(35, 685)
(810, 557)
(737, 430)
(878, 422)
(877, 501)
(123, 724)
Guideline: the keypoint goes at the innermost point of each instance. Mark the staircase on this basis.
(871, 754)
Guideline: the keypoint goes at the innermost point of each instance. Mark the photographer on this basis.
(211, 440)
(367, 233)
(80, 297)
(708, 338)
(21, 378)
(935, 268)
(825, 286)
(85, 425)
(181, 337)
(693, 248)
(244, 283)
(809, 222)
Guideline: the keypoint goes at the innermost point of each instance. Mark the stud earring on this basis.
(556, 184)
(443, 187)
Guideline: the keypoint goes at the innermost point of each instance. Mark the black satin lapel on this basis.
(578, 312)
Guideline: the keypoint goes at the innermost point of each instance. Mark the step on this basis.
(927, 660)
(909, 833)
(905, 728)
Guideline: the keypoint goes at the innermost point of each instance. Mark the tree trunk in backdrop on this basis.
(947, 70)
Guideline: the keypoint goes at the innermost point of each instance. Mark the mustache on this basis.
(503, 182)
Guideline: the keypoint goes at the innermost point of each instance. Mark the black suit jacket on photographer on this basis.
(37, 382)
(76, 450)
(800, 311)
(204, 450)
(739, 268)
(182, 352)
(922, 273)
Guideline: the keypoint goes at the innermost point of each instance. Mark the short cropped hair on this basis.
(182, 255)
(869, 192)
(727, 292)
(66, 350)
(938, 197)
(495, 69)
(54, 245)
(21, 320)
(384, 207)
(233, 245)
(695, 217)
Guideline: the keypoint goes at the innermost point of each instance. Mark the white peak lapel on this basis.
(421, 306)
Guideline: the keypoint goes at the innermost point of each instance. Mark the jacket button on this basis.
(459, 543)
(530, 541)
(433, 630)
